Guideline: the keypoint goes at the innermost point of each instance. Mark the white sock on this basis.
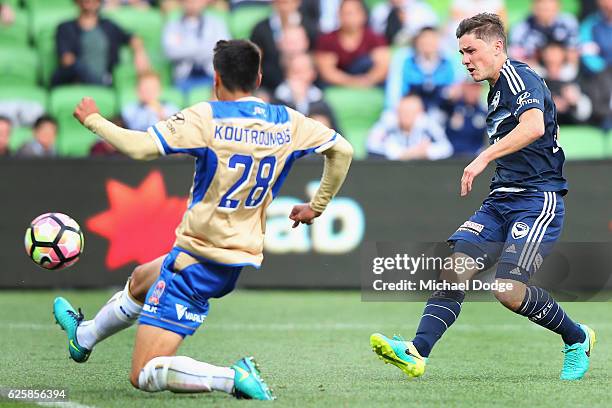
(184, 374)
(120, 312)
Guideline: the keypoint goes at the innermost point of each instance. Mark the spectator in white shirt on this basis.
(189, 42)
(408, 134)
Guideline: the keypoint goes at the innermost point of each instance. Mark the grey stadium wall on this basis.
(128, 211)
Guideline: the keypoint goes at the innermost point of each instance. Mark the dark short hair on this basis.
(485, 26)
(44, 119)
(5, 119)
(238, 64)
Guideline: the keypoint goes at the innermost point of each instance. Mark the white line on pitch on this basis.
(316, 326)
(63, 404)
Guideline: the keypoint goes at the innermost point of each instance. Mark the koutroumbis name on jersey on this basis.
(239, 134)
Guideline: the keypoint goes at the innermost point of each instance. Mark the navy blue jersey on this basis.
(538, 166)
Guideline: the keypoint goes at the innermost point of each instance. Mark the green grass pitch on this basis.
(314, 351)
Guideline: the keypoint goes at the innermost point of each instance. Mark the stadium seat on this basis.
(571, 6)
(243, 19)
(517, 11)
(74, 140)
(442, 8)
(47, 19)
(582, 142)
(356, 109)
(15, 4)
(15, 34)
(147, 24)
(23, 93)
(373, 3)
(45, 5)
(18, 66)
(173, 95)
(199, 94)
(19, 136)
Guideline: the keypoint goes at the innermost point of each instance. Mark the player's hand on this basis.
(473, 169)
(86, 107)
(302, 214)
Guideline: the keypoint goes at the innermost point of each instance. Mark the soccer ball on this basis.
(54, 241)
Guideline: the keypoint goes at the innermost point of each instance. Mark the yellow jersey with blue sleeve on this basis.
(244, 150)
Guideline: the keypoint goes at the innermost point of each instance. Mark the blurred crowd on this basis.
(432, 110)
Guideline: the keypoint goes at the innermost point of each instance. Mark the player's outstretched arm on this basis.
(529, 129)
(337, 162)
(132, 143)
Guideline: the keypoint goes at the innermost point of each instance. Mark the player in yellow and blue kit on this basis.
(244, 149)
(521, 218)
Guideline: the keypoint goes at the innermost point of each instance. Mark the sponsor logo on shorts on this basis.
(519, 230)
(182, 312)
(150, 309)
(472, 227)
(157, 292)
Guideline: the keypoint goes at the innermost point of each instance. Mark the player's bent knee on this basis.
(512, 298)
(153, 376)
(137, 287)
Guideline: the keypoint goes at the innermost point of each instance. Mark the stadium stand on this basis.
(29, 42)
(356, 109)
(18, 66)
(243, 19)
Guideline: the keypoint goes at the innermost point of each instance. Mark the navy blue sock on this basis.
(442, 309)
(542, 309)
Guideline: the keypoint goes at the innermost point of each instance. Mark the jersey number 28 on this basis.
(265, 174)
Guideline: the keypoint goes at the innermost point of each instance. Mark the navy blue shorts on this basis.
(518, 230)
(178, 301)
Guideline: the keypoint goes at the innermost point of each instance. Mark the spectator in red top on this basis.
(353, 55)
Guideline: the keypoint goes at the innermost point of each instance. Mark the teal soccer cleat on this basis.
(577, 356)
(69, 320)
(248, 383)
(400, 353)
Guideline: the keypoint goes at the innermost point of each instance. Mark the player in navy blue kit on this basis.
(521, 218)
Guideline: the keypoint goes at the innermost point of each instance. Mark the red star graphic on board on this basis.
(140, 222)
